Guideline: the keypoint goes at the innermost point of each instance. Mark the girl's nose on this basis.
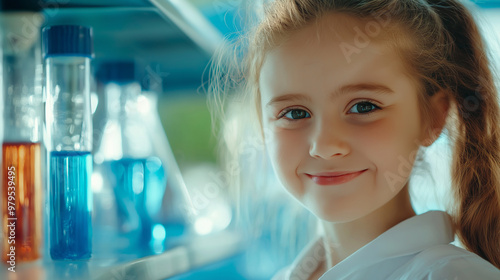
(327, 142)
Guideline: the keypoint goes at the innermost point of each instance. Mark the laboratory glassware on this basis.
(68, 53)
(133, 176)
(21, 183)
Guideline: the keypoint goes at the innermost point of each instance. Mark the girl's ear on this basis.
(439, 105)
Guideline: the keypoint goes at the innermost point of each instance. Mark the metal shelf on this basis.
(170, 39)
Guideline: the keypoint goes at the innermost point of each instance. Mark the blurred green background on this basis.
(186, 120)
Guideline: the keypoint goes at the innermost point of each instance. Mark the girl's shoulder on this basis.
(447, 261)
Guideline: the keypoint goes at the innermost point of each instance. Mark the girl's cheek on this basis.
(286, 147)
(287, 151)
(380, 142)
(377, 134)
(286, 141)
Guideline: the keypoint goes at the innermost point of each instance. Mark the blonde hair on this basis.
(445, 52)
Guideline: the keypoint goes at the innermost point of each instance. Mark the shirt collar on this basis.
(408, 237)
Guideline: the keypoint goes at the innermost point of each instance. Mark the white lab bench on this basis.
(196, 252)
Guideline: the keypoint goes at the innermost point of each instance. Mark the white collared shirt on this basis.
(417, 248)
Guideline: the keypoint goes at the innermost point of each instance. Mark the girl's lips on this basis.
(328, 179)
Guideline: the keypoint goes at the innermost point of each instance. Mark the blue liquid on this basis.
(139, 186)
(70, 205)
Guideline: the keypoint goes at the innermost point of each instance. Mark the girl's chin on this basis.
(336, 215)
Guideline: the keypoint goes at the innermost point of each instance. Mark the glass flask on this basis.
(129, 178)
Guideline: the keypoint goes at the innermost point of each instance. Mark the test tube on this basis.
(21, 182)
(67, 54)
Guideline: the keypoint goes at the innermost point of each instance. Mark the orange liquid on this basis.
(27, 178)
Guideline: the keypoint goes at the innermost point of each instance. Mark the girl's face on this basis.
(333, 105)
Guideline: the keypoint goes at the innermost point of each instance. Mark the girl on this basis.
(347, 92)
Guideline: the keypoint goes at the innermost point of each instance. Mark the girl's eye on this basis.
(363, 107)
(295, 114)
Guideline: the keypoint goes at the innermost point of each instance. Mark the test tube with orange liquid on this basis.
(21, 183)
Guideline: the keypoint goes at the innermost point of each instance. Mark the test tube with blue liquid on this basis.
(68, 53)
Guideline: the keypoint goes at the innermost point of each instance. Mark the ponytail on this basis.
(476, 157)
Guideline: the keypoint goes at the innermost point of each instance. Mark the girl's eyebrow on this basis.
(288, 97)
(375, 88)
